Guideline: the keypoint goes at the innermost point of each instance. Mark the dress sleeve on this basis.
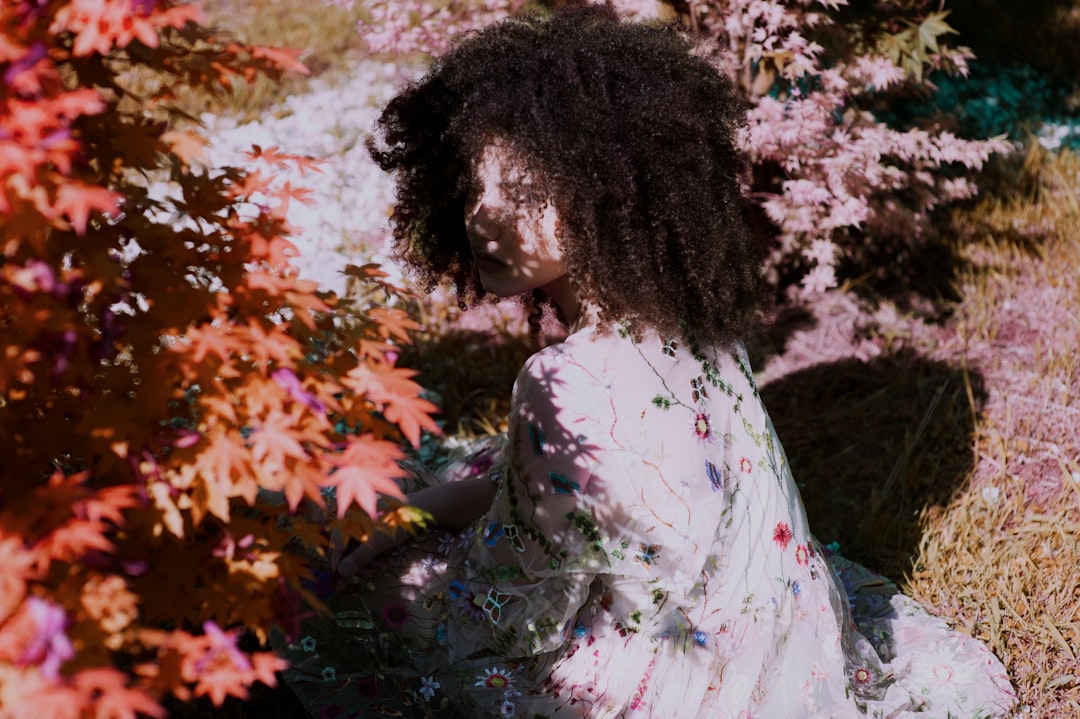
(543, 543)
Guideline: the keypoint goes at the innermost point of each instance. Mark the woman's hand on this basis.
(348, 565)
(454, 505)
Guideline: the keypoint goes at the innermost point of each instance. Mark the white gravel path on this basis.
(346, 218)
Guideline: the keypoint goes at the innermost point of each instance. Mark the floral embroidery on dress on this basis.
(782, 535)
(648, 553)
(396, 615)
(562, 484)
(702, 428)
(697, 390)
(716, 478)
(494, 603)
(510, 531)
(495, 678)
(428, 687)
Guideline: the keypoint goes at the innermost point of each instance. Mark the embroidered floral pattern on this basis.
(716, 478)
(494, 678)
(782, 535)
(701, 426)
(428, 687)
(396, 615)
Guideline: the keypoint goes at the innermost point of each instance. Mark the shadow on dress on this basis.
(871, 444)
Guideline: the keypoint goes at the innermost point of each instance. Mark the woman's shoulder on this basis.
(599, 360)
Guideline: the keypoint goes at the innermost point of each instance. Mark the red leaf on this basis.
(274, 440)
(367, 468)
(393, 323)
(78, 201)
(399, 396)
(107, 691)
(177, 16)
(283, 57)
(273, 156)
(188, 146)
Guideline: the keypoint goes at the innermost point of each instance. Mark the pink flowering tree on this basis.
(832, 178)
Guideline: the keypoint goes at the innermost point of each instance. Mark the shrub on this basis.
(164, 370)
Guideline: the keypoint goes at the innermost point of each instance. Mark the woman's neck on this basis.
(563, 293)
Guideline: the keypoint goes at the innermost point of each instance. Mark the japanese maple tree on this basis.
(164, 371)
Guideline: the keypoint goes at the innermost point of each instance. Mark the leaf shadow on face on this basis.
(873, 444)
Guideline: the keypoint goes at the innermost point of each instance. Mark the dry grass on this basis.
(1003, 559)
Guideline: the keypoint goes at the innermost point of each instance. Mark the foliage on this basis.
(832, 179)
(994, 100)
(165, 372)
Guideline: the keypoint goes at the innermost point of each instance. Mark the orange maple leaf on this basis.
(110, 502)
(304, 480)
(412, 414)
(77, 201)
(273, 156)
(393, 323)
(84, 101)
(223, 456)
(366, 469)
(177, 16)
(398, 395)
(250, 184)
(75, 538)
(287, 193)
(220, 681)
(275, 250)
(282, 57)
(17, 566)
(106, 690)
(270, 346)
(274, 439)
(188, 146)
(28, 694)
(371, 273)
(264, 667)
(211, 339)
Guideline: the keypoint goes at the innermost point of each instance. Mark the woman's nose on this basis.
(480, 223)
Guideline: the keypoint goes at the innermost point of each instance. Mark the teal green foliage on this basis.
(993, 100)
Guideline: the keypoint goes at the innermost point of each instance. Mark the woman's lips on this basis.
(488, 263)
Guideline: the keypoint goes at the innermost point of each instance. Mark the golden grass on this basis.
(1002, 560)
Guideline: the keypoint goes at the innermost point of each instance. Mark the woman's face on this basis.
(511, 227)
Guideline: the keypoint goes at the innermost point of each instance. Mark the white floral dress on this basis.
(647, 555)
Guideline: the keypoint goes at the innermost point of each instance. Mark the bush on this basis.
(165, 371)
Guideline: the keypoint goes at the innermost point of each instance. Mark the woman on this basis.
(638, 546)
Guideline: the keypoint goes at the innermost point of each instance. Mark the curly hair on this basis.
(636, 139)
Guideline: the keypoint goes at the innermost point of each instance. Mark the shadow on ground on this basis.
(873, 443)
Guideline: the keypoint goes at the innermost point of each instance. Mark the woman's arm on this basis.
(454, 505)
